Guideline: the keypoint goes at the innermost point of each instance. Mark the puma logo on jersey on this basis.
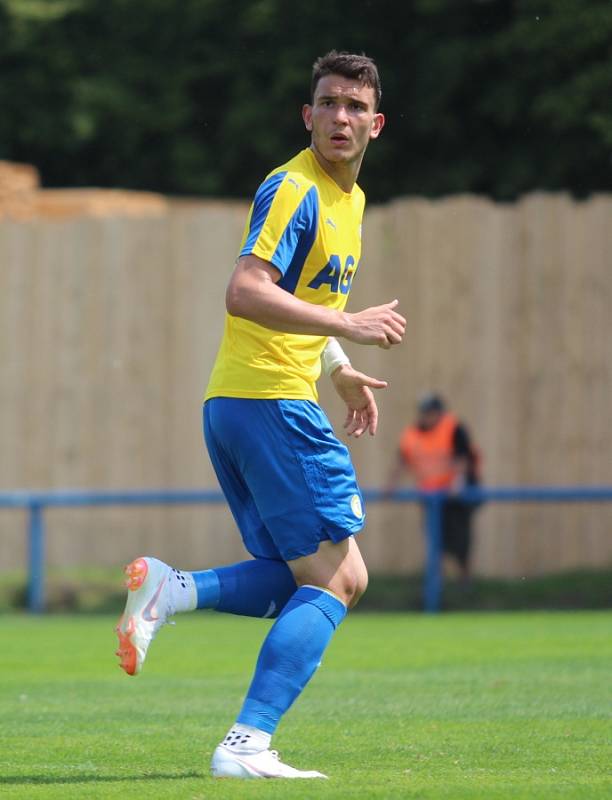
(332, 223)
(294, 182)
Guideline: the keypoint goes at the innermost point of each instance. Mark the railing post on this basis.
(433, 540)
(36, 542)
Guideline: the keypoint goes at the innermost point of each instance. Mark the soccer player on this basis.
(289, 482)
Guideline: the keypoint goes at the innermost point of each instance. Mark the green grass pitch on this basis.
(405, 706)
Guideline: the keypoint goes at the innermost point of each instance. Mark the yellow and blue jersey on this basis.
(307, 227)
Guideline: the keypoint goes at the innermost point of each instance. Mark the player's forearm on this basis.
(269, 305)
(333, 357)
(253, 294)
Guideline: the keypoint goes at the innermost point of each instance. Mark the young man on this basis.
(289, 482)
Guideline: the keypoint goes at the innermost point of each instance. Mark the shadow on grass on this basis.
(59, 779)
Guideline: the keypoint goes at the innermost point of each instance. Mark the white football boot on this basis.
(147, 608)
(226, 763)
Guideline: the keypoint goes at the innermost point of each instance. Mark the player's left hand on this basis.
(355, 388)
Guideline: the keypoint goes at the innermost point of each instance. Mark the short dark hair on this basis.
(349, 65)
(431, 401)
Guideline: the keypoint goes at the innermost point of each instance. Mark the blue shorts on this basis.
(289, 482)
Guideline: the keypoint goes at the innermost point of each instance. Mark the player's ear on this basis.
(378, 123)
(307, 116)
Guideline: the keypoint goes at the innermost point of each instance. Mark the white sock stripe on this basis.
(323, 589)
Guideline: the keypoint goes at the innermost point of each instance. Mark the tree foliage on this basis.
(202, 97)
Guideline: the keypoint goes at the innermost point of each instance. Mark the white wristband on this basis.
(333, 356)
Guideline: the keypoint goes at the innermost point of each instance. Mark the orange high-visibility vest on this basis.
(429, 454)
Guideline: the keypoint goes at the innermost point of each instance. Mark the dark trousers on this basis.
(457, 530)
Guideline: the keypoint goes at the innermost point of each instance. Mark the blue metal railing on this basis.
(35, 502)
(433, 503)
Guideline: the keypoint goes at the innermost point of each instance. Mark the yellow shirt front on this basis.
(302, 223)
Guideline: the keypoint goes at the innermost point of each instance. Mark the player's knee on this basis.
(358, 587)
(352, 584)
(338, 568)
(348, 585)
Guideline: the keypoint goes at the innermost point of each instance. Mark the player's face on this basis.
(342, 119)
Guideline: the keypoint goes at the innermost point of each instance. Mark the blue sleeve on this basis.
(283, 221)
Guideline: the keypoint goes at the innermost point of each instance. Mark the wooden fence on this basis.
(109, 326)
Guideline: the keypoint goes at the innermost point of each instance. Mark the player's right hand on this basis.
(379, 325)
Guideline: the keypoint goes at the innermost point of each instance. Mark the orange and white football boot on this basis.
(147, 608)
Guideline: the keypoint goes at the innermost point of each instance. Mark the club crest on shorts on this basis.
(356, 506)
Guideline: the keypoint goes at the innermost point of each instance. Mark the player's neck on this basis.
(344, 173)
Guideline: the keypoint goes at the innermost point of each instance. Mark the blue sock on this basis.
(290, 654)
(257, 588)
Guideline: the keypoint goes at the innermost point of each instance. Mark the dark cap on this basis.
(430, 402)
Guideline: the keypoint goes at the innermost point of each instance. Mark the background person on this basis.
(438, 452)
